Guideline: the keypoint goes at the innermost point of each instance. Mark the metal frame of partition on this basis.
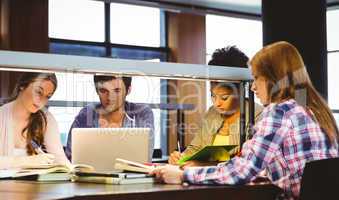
(246, 130)
(24, 61)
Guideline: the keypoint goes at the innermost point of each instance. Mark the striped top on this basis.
(284, 139)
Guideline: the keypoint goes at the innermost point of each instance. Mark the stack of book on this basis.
(210, 154)
(115, 178)
(128, 172)
(45, 173)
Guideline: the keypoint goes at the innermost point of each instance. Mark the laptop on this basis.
(99, 147)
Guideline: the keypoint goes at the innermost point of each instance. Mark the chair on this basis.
(320, 180)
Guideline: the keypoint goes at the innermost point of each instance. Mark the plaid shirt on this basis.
(284, 140)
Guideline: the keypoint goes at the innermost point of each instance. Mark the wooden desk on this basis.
(35, 190)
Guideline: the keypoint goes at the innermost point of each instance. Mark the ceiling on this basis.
(251, 6)
(248, 6)
(242, 6)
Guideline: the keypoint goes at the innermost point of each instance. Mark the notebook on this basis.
(210, 154)
(131, 166)
(99, 147)
(113, 178)
(45, 172)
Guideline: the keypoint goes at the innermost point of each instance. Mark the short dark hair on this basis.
(229, 56)
(99, 78)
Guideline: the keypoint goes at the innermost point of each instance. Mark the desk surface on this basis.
(68, 190)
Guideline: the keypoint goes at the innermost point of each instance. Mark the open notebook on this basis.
(128, 172)
(46, 172)
(126, 165)
(210, 154)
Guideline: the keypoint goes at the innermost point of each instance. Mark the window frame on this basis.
(330, 7)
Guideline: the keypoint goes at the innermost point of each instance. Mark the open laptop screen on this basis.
(99, 147)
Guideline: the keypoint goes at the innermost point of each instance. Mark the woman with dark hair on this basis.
(24, 122)
(296, 127)
(220, 125)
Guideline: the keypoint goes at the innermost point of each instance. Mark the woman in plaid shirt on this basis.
(296, 127)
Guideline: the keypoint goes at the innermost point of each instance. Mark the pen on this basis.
(179, 147)
(36, 147)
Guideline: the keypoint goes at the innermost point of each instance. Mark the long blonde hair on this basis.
(283, 68)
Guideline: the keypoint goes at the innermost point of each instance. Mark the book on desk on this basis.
(128, 172)
(115, 178)
(212, 153)
(45, 172)
(131, 166)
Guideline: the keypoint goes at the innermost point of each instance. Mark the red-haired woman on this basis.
(296, 127)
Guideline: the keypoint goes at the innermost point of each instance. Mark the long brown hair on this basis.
(282, 66)
(37, 122)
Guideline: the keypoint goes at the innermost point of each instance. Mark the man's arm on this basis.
(146, 120)
(68, 149)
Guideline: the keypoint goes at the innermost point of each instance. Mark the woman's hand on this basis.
(40, 159)
(170, 174)
(174, 157)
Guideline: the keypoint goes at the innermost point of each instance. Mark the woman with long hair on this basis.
(296, 127)
(26, 124)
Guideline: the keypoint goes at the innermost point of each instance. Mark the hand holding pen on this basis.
(41, 157)
(37, 148)
(175, 156)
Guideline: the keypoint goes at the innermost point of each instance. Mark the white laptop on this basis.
(99, 147)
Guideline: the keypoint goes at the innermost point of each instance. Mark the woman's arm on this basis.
(256, 154)
(53, 141)
(8, 162)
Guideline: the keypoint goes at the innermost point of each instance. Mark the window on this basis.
(83, 20)
(78, 28)
(127, 20)
(71, 87)
(223, 31)
(332, 30)
(333, 71)
(333, 60)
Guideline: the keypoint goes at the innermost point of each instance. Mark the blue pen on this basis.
(36, 147)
